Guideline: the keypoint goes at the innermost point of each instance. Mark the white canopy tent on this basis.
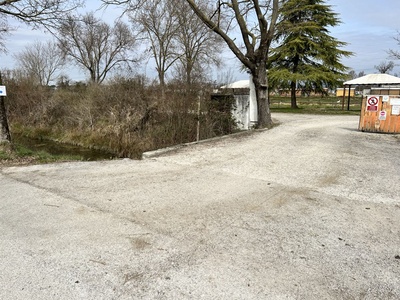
(370, 80)
(374, 79)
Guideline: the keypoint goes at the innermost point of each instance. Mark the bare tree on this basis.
(158, 22)
(256, 22)
(199, 47)
(41, 60)
(352, 74)
(35, 13)
(385, 67)
(95, 46)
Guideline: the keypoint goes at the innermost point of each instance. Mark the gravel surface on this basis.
(307, 210)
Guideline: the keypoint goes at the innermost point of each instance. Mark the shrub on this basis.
(127, 116)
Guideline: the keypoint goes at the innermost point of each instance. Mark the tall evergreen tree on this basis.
(306, 56)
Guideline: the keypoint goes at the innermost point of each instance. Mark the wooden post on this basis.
(348, 99)
(198, 118)
(344, 92)
(5, 135)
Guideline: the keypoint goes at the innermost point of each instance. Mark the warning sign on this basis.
(382, 115)
(372, 103)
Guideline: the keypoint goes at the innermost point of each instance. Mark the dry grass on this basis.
(125, 117)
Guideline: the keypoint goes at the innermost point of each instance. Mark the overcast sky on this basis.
(367, 26)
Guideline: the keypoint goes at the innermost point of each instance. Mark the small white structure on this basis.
(245, 107)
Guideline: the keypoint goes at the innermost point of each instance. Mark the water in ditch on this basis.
(55, 148)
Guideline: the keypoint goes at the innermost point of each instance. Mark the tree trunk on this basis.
(260, 81)
(189, 68)
(161, 78)
(293, 84)
(293, 100)
(5, 135)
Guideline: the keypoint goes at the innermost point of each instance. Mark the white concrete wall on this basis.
(241, 111)
(253, 104)
(245, 112)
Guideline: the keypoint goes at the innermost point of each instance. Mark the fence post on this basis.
(198, 117)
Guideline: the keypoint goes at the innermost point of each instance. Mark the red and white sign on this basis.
(382, 115)
(372, 103)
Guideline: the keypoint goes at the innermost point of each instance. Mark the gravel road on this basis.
(307, 210)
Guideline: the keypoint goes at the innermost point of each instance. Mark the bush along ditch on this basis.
(125, 117)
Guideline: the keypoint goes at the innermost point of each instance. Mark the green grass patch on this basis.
(317, 105)
(4, 155)
(320, 111)
(20, 155)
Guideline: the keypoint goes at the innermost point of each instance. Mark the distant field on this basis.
(313, 104)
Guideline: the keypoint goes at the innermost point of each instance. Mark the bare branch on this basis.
(38, 12)
(395, 54)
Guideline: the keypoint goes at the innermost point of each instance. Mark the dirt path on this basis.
(307, 210)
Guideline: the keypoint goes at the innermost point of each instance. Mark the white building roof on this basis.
(241, 84)
(372, 79)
